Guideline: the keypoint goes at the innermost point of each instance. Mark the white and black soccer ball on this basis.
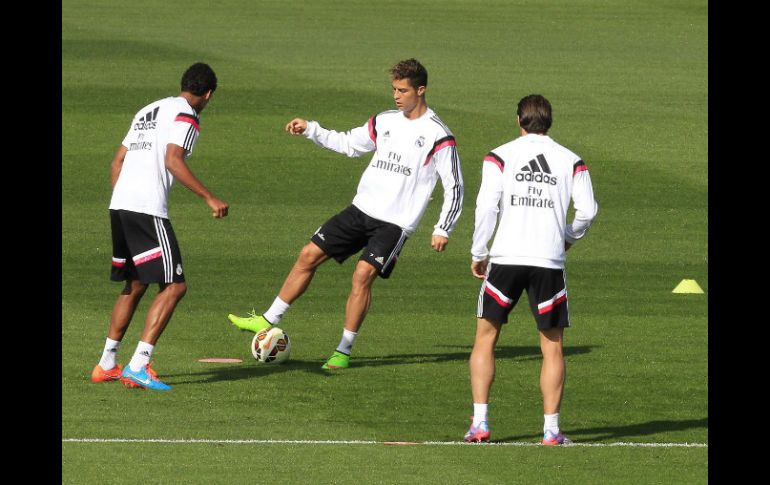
(271, 346)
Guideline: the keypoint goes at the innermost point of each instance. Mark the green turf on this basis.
(379, 464)
(628, 82)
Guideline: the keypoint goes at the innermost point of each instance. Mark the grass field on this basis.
(628, 82)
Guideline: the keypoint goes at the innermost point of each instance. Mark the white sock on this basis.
(479, 412)
(141, 356)
(551, 423)
(274, 314)
(109, 353)
(346, 342)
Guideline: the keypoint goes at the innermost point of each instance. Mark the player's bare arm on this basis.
(176, 165)
(438, 243)
(117, 164)
(297, 126)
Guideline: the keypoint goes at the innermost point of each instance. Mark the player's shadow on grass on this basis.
(252, 370)
(247, 370)
(501, 352)
(614, 433)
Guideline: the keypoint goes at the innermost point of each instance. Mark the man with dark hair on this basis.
(410, 69)
(198, 79)
(144, 247)
(526, 188)
(412, 149)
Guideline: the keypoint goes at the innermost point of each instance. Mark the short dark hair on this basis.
(412, 70)
(198, 79)
(535, 114)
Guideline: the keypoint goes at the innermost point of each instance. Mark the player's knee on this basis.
(176, 290)
(134, 288)
(363, 276)
(140, 288)
(483, 345)
(181, 290)
(310, 256)
(552, 350)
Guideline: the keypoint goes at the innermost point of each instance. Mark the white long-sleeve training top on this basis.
(409, 157)
(529, 182)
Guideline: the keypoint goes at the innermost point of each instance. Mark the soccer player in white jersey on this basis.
(526, 188)
(144, 248)
(412, 149)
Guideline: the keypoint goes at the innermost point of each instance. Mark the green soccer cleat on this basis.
(252, 323)
(338, 360)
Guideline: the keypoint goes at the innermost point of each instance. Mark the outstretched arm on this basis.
(353, 143)
(178, 167)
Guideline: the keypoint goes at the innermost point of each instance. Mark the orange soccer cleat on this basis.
(101, 375)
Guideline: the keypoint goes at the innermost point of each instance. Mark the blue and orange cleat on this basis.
(150, 371)
(146, 378)
(477, 434)
(553, 439)
(101, 375)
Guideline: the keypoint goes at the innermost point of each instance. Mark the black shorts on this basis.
(144, 248)
(351, 230)
(546, 291)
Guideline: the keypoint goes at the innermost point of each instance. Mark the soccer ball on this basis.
(271, 346)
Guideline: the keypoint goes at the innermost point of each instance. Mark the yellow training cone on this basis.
(688, 286)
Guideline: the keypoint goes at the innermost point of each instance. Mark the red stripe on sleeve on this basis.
(490, 158)
(446, 143)
(188, 119)
(372, 131)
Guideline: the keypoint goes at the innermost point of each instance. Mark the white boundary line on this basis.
(364, 442)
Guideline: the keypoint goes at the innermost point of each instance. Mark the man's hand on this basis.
(567, 246)
(438, 243)
(219, 208)
(479, 268)
(297, 126)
